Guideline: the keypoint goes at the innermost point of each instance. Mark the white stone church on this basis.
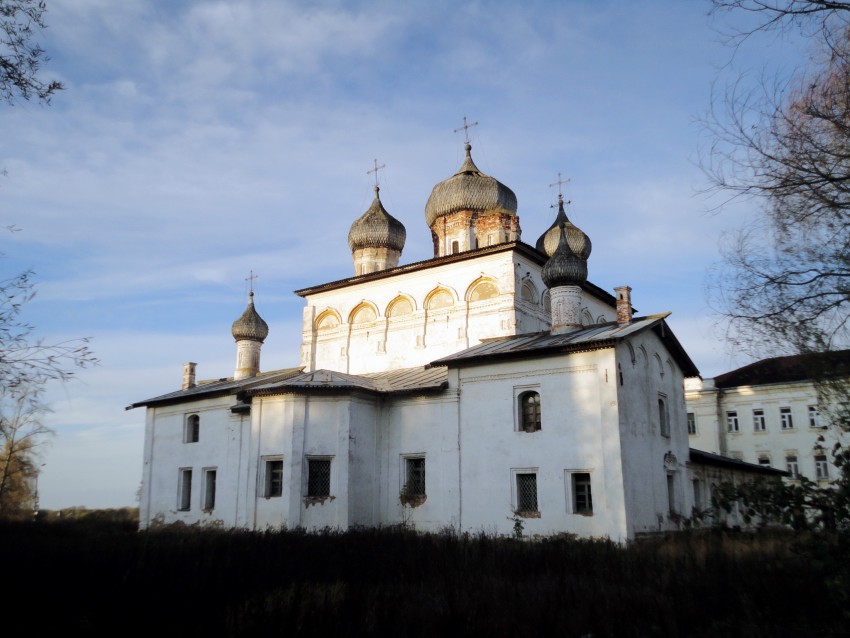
(488, 383)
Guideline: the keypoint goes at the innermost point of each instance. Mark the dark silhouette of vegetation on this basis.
(21, 56)
(182, 581)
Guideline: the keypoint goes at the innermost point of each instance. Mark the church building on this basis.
(489, 384)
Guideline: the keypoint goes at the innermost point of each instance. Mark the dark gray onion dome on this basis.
(578, 242)
(564, 267)
(376, 228)
(250, 325)
(469, 189)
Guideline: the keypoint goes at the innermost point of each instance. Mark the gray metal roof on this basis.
(709, 458)
(225, 386)
(404, 381)
(586, 338)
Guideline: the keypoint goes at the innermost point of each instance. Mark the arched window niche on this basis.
(328, 320)
(482, 290)
(529, 411)
(364, 313)
(439, 298)
(400, 307)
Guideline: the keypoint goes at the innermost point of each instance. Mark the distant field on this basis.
(106, 578)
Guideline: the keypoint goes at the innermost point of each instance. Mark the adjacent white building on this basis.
(488, 383)
(770, 413)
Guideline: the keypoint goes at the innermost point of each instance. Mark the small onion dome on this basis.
(376, 228)
(469, 189)
(564, 267)
(578, 242)
(250, 325)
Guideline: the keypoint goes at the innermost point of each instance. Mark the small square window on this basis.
(526, 494)
(785, 419)
(758, 421)
(764, 460)
(273, 478)
(318, 478)
(192, 429)
(184, 489)
(209, 489)
(692, 423)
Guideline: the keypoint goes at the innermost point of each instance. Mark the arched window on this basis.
(547, 302)
(440, 299)
(455, 247)
(663, 418)
(327, 321)
(363, 314)
(529, 412)
(400, 307)
(529, 292)
(484, 290)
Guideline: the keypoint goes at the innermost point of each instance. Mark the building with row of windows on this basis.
(489, 382)
(770, 413)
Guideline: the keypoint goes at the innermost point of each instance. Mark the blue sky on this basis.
(199, 140)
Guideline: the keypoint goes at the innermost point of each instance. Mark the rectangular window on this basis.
(663, 416)
(692, 423)
(671, 493)
(318, 477)
(697, 495)
(764, 461)
(821, 467)
(192, 429)
(414, 476)
(273, 478)
(792, 466)
(582, 495)
(814, 417)
(785, 420)
(758, 421)
(526, 494)
(732, 422)
(184, 489)
(209, 489)
(529, 411)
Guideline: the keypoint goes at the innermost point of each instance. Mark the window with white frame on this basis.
(582, 494)
(764, 460)
(192, 429)
(663, 416)
(814, 416)
(732, 422)
(209, 489)
(821, 467)
(318, 477)
(758, 421)
(786, 421)
(414, 476)
(272, 476)
(184, 489)
(525, 495)
(792, 466)
(692, 423)
(529, 411)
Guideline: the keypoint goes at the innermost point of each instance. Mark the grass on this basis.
(103, 577)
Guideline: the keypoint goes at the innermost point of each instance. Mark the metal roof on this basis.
(225, 386)
(404, 381)
(709, 458)
(801, 367)
(593, 337)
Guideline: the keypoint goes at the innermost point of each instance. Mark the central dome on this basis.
(469, 189)
(377, 228)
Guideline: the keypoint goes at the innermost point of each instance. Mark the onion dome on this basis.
(376, 228)
(565, 267)
(250, 325)
(578, 242)
(469, 189)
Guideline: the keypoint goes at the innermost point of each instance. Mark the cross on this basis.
(250, 279)
(559, 183)
(375, 170)
(465, 128)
